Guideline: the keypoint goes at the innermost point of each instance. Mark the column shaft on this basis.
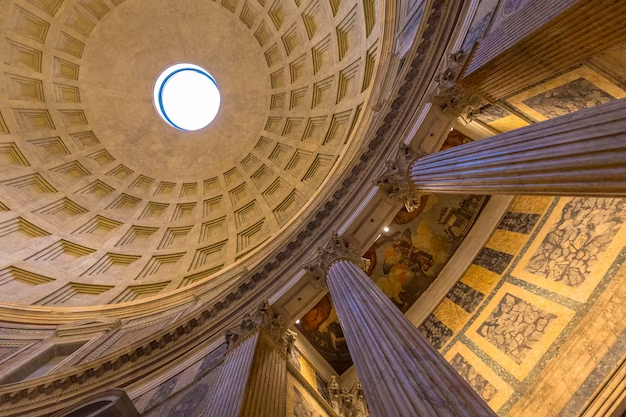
(542, 38)
(583, 153)
(401, 373)
(252, 381)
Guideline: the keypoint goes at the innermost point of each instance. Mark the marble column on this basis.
(401, 373)
(580, 154)
(253, 378)
(540, 39)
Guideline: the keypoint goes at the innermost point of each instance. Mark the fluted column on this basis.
(401, 373)
(253, 378)
(583, 153)
(540, 39)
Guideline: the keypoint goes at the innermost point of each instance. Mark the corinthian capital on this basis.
(395, 178)
(334, 250)
(347, 402)
(272, 323)
(459, 102)
(453, 98)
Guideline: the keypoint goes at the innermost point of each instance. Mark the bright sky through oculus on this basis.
(186, 96)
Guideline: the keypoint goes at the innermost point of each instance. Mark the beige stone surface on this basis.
(101, 202)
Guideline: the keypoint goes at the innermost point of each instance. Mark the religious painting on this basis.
(406, 260)
(321, 328)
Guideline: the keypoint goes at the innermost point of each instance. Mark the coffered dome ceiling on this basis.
(101, 201)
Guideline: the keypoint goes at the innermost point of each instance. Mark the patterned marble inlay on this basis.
(490, 113)
(301, 401)
(512, 6)
(465, 296)
(519, 222)
(322, 387)
(163, 392)
(568, 98)
(570, 250)
(515, 326)
(493, 260)
(435, 331)
(483, 387)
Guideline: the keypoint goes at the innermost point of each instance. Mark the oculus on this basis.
(186, 96)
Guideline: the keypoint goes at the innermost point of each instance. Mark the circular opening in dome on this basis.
(186, 96)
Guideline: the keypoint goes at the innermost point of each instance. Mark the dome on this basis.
(105, 202)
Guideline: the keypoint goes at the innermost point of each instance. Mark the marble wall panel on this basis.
(188, 402)
(481, 23)
(565, 93)
(538, 342)
(497, 117)
(160, 398)
(300, 402)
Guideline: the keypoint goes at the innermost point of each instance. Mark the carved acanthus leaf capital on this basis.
(347, 402)
(272, 323)
(334, 250)
(452, 97)
(395, 177)
(459, 102)
(454, 64)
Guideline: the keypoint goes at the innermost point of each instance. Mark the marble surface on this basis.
(540, 339)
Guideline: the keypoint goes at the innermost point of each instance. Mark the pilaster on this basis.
(253, 378)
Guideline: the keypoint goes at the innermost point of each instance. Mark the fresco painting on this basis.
(321, 328)
(402, 263)
(407, 259)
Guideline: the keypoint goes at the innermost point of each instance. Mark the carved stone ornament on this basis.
(271, 322)
(335, 249)
(459, 102)
(347, 402)
(454, 64)
(395, 181)
(453, 98)
(289, 341)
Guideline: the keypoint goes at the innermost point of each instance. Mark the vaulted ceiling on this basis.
(101, 201)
